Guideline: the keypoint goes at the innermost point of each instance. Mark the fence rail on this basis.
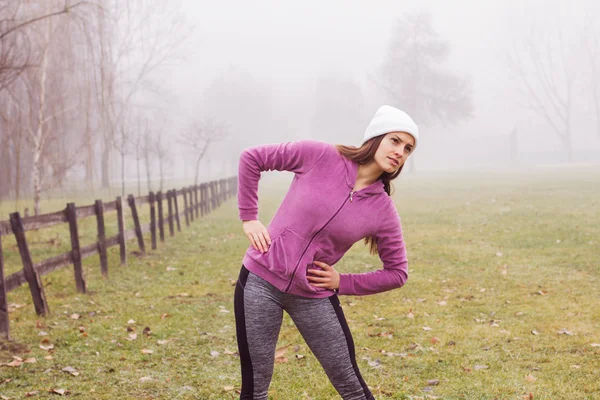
(198, 200)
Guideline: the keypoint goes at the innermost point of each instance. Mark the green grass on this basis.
(493, 257)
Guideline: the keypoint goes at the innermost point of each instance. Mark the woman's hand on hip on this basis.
(257, 234)
(327, 278)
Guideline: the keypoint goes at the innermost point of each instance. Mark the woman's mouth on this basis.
(394, 162)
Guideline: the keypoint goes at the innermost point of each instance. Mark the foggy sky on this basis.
(290, 44)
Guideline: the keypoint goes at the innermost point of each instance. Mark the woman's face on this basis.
(393, 151)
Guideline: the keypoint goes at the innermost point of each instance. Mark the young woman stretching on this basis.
(339, 195)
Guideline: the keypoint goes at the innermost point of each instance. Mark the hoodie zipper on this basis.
(313, 237)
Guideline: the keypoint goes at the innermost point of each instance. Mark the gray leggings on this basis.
(259, 312)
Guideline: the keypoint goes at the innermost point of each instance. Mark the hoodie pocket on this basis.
(314, 253)
(283, 254)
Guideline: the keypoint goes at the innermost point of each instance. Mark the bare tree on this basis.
(122, 142)
(163, 155)
(200, 137)
(542, 67)
(592, 46)
(414, 79)
(15, 47)
(138, 38)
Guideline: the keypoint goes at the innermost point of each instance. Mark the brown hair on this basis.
(364, 155)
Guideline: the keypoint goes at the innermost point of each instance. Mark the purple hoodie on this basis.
(319, 220)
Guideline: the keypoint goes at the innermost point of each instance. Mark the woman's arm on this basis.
(298, 157)
(392, 252)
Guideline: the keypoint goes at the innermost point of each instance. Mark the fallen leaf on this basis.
(530, 378)
(164, 316)
(31, 394)
(565, 332)
(299, 356)
(426, 328)
(595, 344)
(48, 358)
(535, 332)
(228, 352)
(576, 366)
(228, 388)
(3, 397)
(147, 351)
(131, 336)
(62, 392)
(375, 363)
(162, 342)
(70, 370)
(480, 367)
(435, 340)
(45, 340)
(214, 353)
(30, 361)
(171, 269)
(498, 254)
(433, 382)
(50, 347)
(410, 314)
(442, 303)
(75, 316)
(42, 333)
(131, 321)
(81, 329)
(466, 369)
(528, 396)
(183, 295)
(14, 363)
(145, 379)
(147, 331)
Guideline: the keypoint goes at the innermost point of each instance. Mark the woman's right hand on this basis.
(257, 234)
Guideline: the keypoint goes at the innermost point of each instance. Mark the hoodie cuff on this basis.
(345, 285)
(248, 215)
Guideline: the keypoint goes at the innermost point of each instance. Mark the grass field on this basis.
(502, 302)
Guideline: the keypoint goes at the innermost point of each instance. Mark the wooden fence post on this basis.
(101, 238)
(185, 205)
(196, 203)
(202, 213)
(75, 248)
(161, 220)
(35, 283)
(151, 199)
(170, 207)
(4, 321)
(136, 221)
(176, 210)
(121, 224)
(213, 196)
(191, 202)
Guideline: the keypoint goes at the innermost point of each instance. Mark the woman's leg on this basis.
(258, 316)
(323, 326)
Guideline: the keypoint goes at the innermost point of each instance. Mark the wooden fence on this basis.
(198, 200)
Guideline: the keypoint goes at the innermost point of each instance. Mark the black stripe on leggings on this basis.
(242, 339)
(335, 302)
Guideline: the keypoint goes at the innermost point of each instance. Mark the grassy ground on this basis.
(501, 303)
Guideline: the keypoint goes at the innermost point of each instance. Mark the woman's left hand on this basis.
(327, 278)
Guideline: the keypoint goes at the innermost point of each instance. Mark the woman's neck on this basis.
(367, 174)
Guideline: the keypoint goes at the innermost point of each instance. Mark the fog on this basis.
(287, 47)
(495, 84)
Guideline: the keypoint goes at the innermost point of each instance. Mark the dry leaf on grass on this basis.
(147, 331)
(14, 363)
(145, 379)
(480, 367)
(131, 321)
(280, 354)
(75, 316)
(49, 347)
(70, 370)
(214, 353)
(162, 342)
(535, 332)
(147, 351)
(30, 361)
(530, 378)
(228, 388)
(426, 328)
(131, 336)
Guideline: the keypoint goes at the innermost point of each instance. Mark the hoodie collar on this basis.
(351, 174)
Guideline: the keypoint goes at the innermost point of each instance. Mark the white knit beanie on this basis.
(389, 119)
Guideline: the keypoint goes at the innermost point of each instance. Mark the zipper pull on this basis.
(351, 193)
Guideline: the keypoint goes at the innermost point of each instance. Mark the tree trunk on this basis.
(105, 166)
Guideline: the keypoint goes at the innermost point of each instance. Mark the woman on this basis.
(339, 195)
